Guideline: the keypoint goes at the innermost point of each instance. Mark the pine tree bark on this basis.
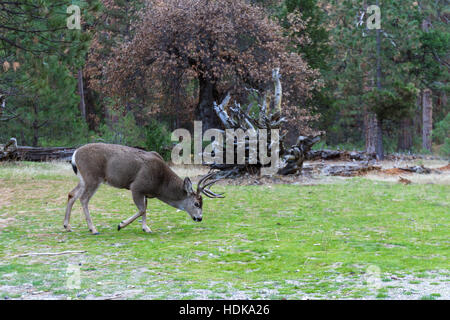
(370, 128)
(91, 98)
(2, 104)
(417, 120)
(405, 135)
(35, 126)
(378, 124)
(427, 119)
(379, 145)
(427, 108)
(81, 93)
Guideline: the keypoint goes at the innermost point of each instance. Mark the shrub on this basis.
(157, 138)
(441, 130)
(124, 131)
(441, 135)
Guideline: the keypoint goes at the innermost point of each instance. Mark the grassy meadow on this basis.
(348, 238)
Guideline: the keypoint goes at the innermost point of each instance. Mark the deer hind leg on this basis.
(88, 192)
(141, 203)
(72, 197)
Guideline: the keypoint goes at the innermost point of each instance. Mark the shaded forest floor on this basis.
(317, 237)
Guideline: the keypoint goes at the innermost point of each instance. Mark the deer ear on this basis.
(187, 184)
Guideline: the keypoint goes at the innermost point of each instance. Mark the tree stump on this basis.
(9, 151)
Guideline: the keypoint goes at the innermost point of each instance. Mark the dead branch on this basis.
(278, 92)
(9, 150)
(48, 253)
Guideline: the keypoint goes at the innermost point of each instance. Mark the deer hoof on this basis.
(68, 228)
(147, 230)
(118, 227)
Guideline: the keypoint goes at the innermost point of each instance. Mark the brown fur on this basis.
(144, 173)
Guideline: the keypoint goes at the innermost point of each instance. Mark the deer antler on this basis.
(205, 184)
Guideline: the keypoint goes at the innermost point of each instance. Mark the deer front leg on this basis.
(126, 222)
(145, 227)
(141, 202)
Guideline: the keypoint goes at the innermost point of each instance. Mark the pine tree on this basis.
(40, 85)
(408, 56)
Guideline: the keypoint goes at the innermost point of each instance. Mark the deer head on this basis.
(193, 204)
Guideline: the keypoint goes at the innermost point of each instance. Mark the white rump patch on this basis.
(73, 158)
(78, 169)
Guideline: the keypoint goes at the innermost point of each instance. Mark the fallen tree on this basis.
(340, 155)
(265, 115)
(349, 170)
(12, 152)
(413, 169)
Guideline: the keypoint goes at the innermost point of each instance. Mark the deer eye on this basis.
(197, 204)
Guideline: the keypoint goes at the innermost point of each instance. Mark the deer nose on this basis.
(199, 219)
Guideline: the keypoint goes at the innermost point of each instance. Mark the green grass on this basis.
(432, 296)
(274, 241)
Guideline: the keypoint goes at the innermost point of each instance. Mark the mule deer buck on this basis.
(144, 173)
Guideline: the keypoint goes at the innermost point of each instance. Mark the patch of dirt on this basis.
(433, 178)
(410, 287)
(4, 222)
(27, 292)
(404, 181)
(395, 171)
(445, 168)
(6, 195)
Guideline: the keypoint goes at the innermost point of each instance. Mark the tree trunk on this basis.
(427, 107)
(204, 111)
(2, 104)
(417, 120)
(370, 128)
(379, 146)
(373, 135)
(405, 135)
(81, 93)
(93, 112)
(427, 119)
(35, 127)
(378, 124)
